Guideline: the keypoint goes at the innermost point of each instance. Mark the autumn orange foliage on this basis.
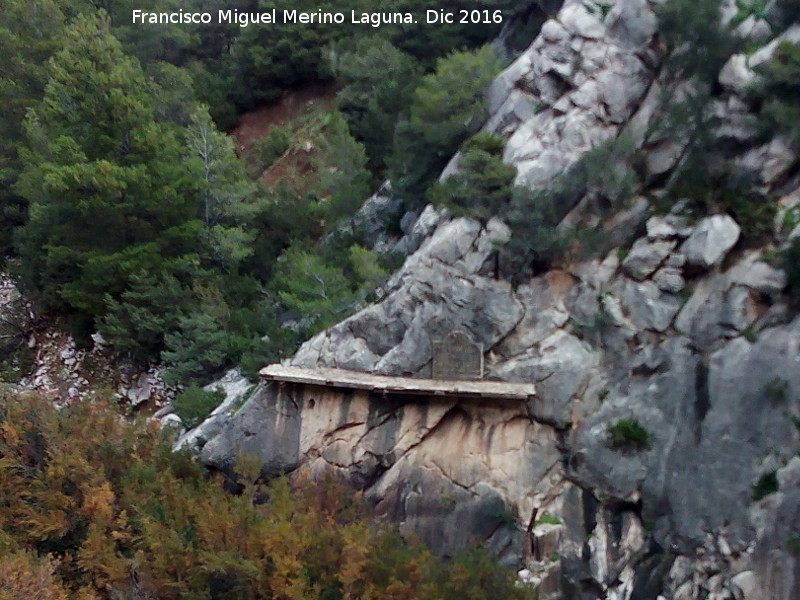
(93, 506)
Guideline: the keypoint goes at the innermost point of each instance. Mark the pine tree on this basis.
(108, 196)
(199, 347)
(145, 312)
(778, 90)
(378, 80)
(288, 56)
(28, 37)
(343, 181)
(696, 41)
(448, 105)
(313, 292)
(226, 200)
(482, 187)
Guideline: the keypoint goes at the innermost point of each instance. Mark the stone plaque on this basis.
(457, 357)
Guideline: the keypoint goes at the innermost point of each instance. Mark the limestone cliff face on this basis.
(582, 79)
(441, 467)
(687, 333)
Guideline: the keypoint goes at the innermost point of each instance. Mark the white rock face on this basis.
(649, 308)
(711, 240)
(745, 586)
(645, 257)
(477, 455)
(772, 160)
(581, 79)
(762, 55)
(235, 386)
(171, 421)
(670, 279)
(737, 76)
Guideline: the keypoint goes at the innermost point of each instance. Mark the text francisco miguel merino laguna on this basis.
(375, 19)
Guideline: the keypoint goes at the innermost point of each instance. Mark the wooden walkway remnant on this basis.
(355, 380)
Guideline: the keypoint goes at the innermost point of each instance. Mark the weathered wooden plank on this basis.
(400, 385)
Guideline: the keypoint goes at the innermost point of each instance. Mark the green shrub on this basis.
(15, 327)
(749, 8)
(487, 142)
(709, 183)
(587, 242)
(549, 520)
(793, 545)
(275, 145)
(536, 242)
(753, 211)
(448, 105)
(194, 404)
(482, 187)
(605, 173)
(777, 390)
(17, 365)
(790, 219)
(391, 261)
(413, 164)
(628, 434)
(448, 502)
(593, 329)
(767, 484)
(367, 270)
(777, 93)
(496, 510)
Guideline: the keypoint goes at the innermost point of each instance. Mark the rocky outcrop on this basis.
(658, 459)
(710, 241)
(477, 454)
(57, 368)
(708, 374)
(438, 289)
(578, 83)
